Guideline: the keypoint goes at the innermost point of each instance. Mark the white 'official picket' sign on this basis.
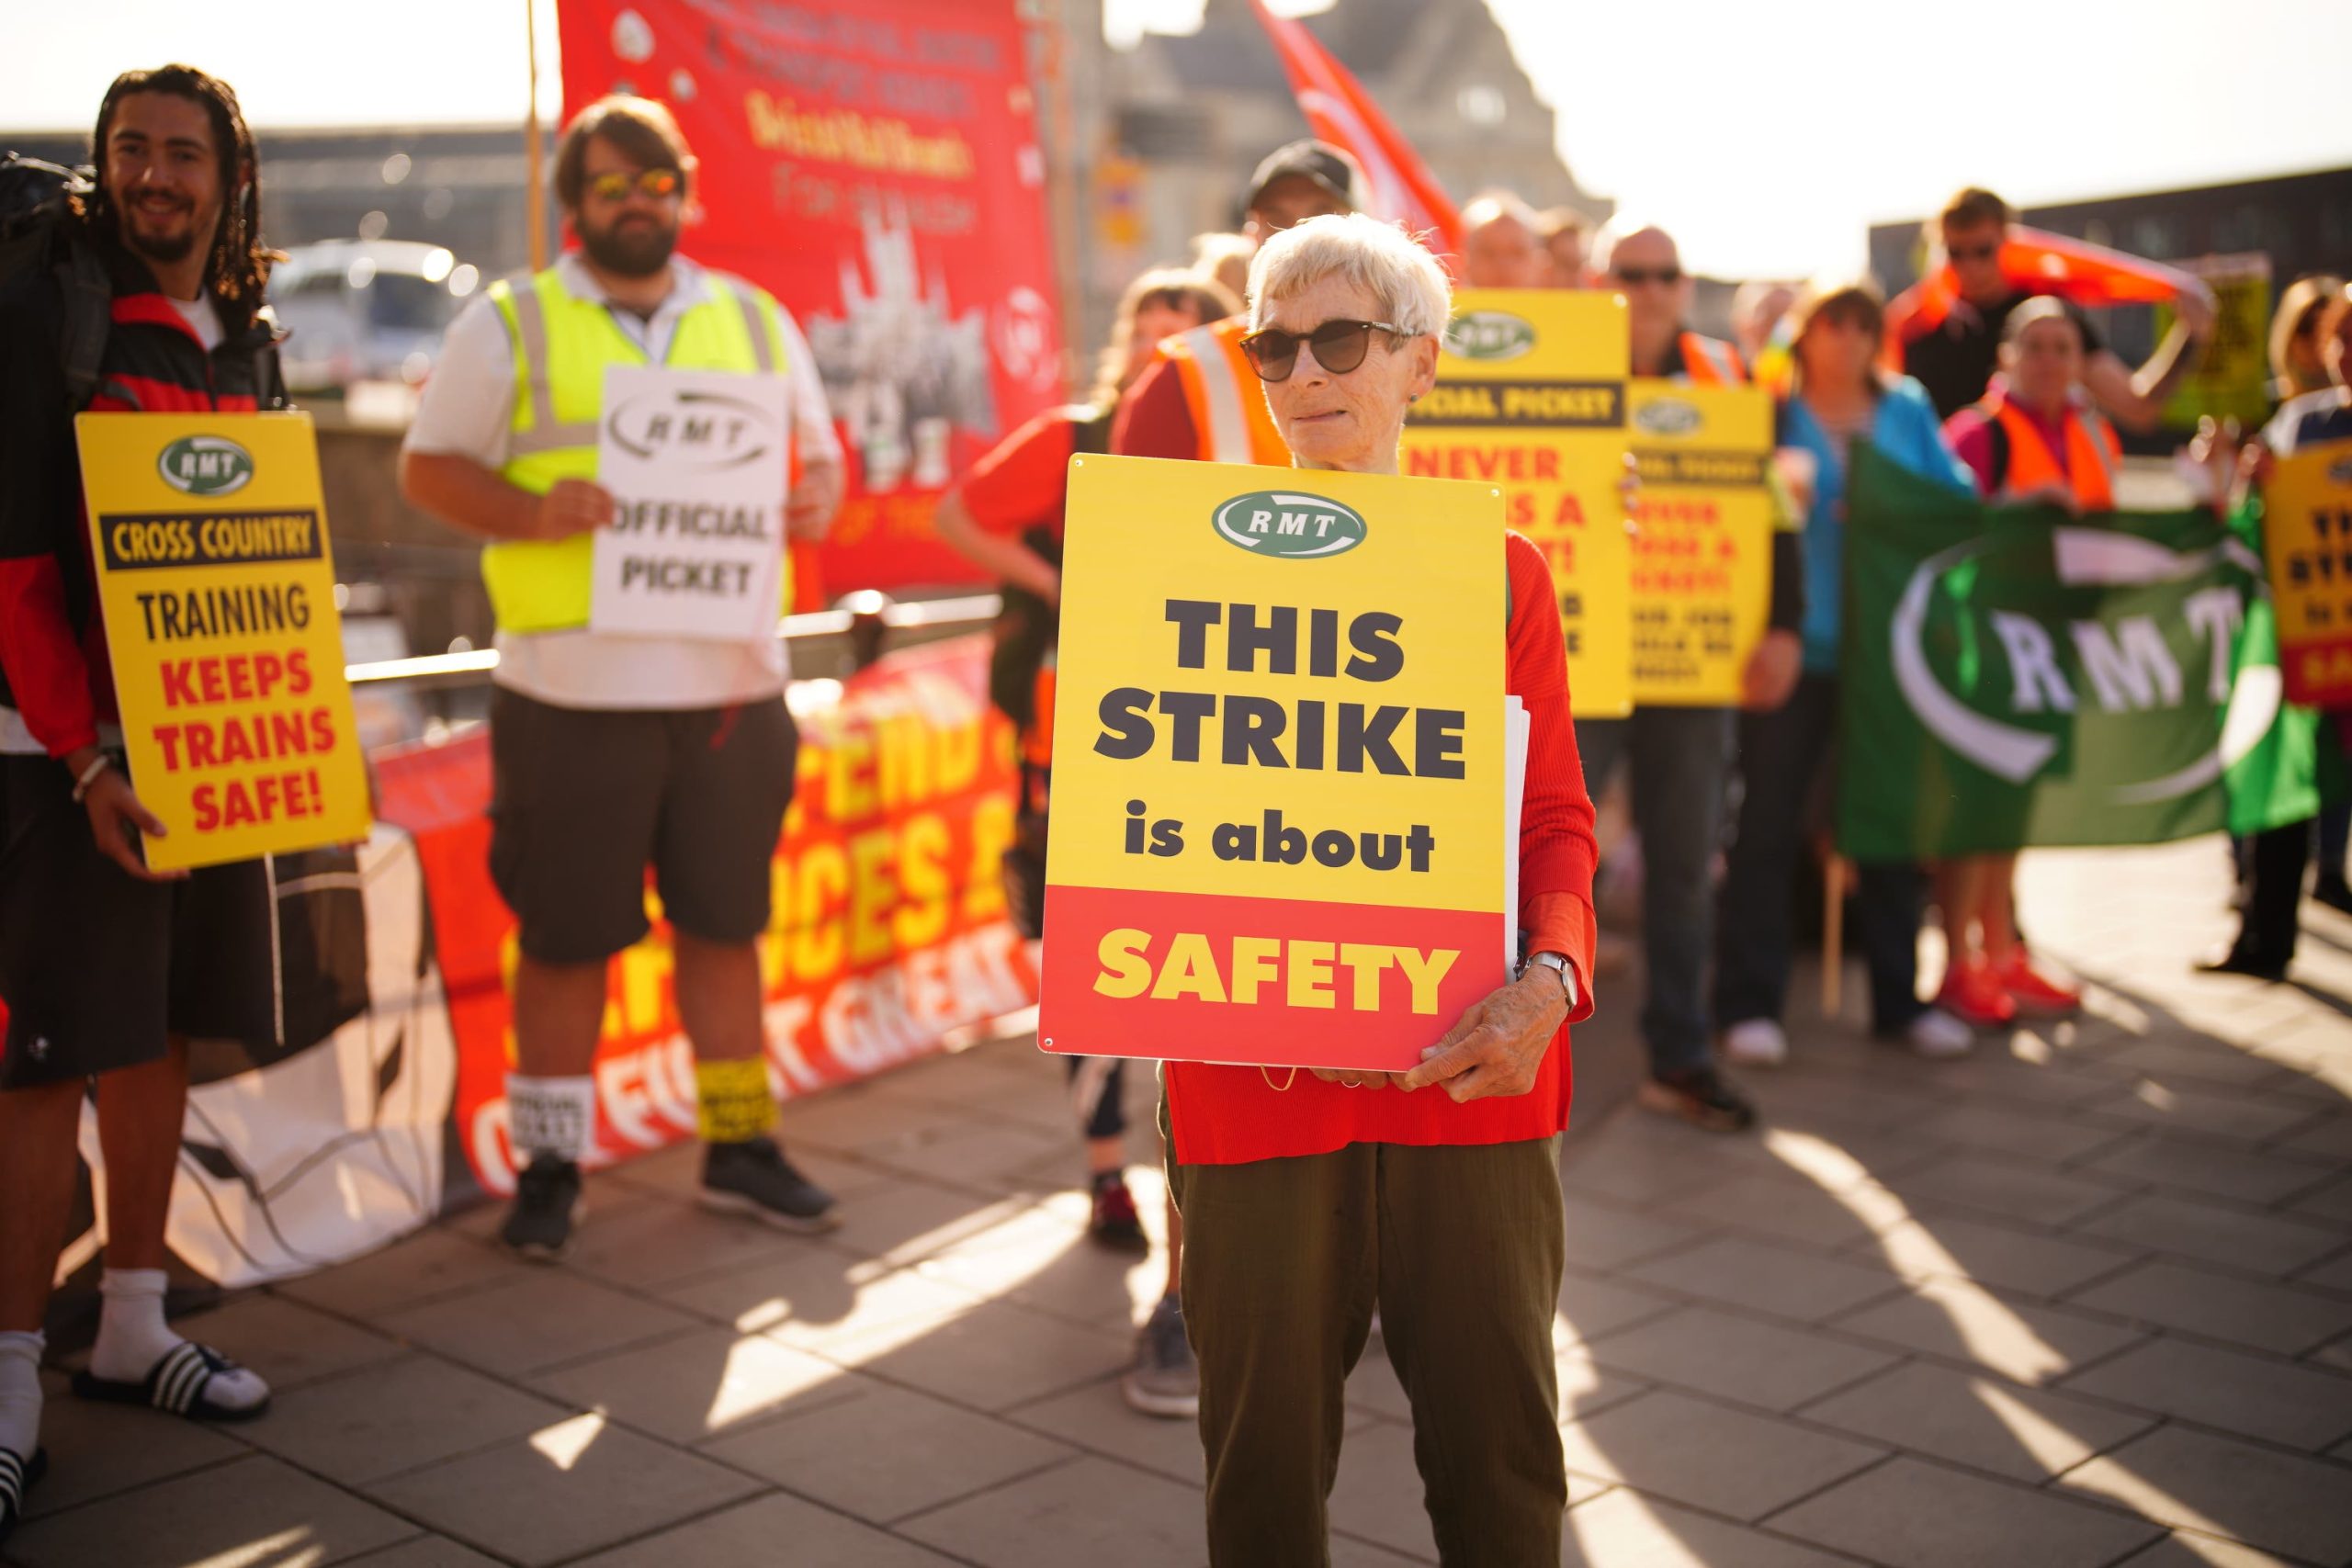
(698, 461)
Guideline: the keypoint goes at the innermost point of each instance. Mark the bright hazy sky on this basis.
(1768, 153)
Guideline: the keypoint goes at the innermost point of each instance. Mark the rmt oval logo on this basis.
(695, 430)
(206, 465)
(1668, 416)
(1489, 335)
(1284, 522)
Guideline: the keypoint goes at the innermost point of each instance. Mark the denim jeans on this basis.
(1678, 758)
(1782, 757)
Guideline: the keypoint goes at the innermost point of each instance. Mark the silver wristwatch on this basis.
(1557, 963)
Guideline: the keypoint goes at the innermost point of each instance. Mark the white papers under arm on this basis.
(1515, 731)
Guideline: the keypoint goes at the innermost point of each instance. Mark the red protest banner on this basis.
(874, 164)
(888, 935)
(889, 930)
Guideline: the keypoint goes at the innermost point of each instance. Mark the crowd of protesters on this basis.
(1310, 1207)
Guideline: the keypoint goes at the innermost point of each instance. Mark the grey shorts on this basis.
(584, 800)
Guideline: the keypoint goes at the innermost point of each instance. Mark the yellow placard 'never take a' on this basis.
(1531, 397)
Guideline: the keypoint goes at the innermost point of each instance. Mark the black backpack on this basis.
(36, 234)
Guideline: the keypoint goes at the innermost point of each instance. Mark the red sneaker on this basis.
(1973, 994)
(2036, 994)
(1115, 1223)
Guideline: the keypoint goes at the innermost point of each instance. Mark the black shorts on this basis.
(98, 968)
(584, 800)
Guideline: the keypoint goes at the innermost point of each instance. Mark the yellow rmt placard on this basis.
(1279, 811)
(218, 592)
(2307, 544)
(1703, 539)
(1531, 396)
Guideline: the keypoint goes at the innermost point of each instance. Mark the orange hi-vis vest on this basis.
(1229, 414)
(2093, 454)
(1710, 362)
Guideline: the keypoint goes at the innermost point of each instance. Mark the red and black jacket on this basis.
(54, 669)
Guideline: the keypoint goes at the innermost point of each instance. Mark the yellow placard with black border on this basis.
(1703, 539)
(1531, 397)
(217, 586)
(1279, 750)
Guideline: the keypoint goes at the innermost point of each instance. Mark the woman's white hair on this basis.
(1379, 258)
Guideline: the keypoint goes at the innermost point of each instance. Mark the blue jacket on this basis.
(1905, 429)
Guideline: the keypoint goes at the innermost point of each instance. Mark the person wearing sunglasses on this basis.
(608, 752)
(1678, 758)
(1641, 261)
(1006, 516)
(1954, 355)
(1198, 399)
(1312, 1199)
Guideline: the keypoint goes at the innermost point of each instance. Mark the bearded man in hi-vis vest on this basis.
(610, 754)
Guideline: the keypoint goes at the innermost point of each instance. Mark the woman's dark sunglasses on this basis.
(1339, 347)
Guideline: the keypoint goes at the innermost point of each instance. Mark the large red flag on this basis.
(1340, 111)
(2033, 262)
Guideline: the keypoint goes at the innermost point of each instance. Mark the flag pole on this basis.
(1061, 114)
(534, 175)
(1833, 932)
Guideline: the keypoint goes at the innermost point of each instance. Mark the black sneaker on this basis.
(2242, 959)
(754, 1177)
(1165, 1380)
(1700, 1096)
(1114, 1223)
(539, 1224)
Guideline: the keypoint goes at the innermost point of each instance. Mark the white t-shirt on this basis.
(203, 319)
(468, 411)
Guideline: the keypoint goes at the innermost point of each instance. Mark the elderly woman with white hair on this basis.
(1432, 1196)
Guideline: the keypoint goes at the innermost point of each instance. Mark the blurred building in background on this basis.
(391, 229)
(1179, 120)
(1152, 144)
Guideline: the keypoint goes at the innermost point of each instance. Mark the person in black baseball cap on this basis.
(1199, 400)
(1302, 180)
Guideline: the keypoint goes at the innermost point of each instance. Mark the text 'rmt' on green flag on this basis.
(2018, 677)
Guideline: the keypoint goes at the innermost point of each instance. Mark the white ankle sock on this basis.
(20, 1393)
(133, 1336)
(551, 1116)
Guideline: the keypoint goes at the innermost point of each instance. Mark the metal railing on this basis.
(866, 617)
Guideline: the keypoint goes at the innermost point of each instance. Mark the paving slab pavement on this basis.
(2082, 1299)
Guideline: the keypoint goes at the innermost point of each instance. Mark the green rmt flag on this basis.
(2017, 676)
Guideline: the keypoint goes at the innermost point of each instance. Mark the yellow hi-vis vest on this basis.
(562, 344)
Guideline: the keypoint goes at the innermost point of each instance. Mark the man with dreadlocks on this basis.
(107, 968)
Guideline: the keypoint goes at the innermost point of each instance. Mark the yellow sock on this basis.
(734, 1100)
